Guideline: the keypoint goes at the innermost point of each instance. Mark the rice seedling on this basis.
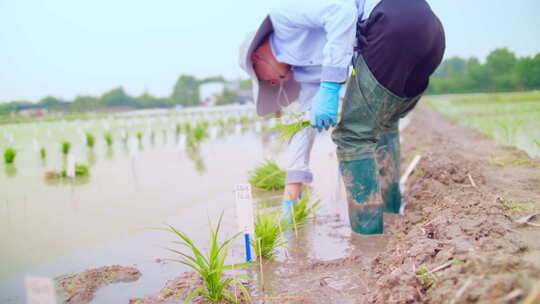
(187, 127)
(90, 140)
(231, 120)
(268, 228)
(66, 146)
(80, 171)
(109, 139)
(220, 122)
(9, 155)
(178, 129)
(267, 176)
(42, 153)
(244, 119)
(303, 212)
(210, 265)
(199, 132)
(139, 136)
(537, 143)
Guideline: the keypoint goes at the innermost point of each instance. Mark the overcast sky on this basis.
(67, 48)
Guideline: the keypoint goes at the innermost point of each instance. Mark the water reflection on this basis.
(109, 153)
(91, 157)
(10, 170)
(194, 154)
(52, 179)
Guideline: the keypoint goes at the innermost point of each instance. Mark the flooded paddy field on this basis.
(461, 240)
(510, 118)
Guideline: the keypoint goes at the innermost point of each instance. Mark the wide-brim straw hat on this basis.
(268, 99)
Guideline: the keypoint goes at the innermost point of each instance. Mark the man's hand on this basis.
(325, 106)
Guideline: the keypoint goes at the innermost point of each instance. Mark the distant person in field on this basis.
(304, 50)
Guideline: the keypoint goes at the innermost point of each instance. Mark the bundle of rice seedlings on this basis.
(139, 136)
(210, 265)
(90, 140)
(268, 237)
(178, 129)
(9, 155)
(66, 146)
(287, 131)
(267, 176)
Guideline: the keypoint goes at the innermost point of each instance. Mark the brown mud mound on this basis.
(175, 291)
(80, 288)
(459, 240)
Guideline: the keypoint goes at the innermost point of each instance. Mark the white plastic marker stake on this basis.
(182, 142)
(404, 177)
(258, 127)
(39, 290)
(238, 129)
(70, 169)
(244, 215)
(133, 143)
(35, 145)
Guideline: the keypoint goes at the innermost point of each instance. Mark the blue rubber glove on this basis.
(325, 106)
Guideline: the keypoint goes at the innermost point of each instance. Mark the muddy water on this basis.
(50, 230)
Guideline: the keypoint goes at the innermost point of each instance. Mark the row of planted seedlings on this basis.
(270, 229)
(221, 119)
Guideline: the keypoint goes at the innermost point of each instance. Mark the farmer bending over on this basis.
(303, 51)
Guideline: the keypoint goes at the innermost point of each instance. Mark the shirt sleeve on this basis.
(338, 20)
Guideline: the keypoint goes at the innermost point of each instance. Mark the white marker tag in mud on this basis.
(70, 170)
(244, 208)
(39, 290)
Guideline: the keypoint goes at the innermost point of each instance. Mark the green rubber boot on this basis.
(388, 165)
(363, 195)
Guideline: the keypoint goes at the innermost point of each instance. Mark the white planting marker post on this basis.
(70, 169)
(404, 177)
(35, 145)
(39, 290)
(238, 129)
(244, 215)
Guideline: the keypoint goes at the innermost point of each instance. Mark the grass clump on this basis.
(267, 176)
(109, 139)
(42, 153)
(9, 155)
(268, 234)
(210, 265)
(66, 146)
(90, 140)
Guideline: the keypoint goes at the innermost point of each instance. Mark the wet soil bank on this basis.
(456, 243)
(460, 240)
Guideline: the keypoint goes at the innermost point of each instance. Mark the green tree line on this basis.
(185, 92)
(502, 71)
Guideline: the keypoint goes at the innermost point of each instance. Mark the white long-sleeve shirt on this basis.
(317, 37)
